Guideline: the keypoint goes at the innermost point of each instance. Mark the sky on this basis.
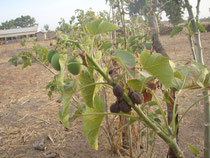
(50, 11)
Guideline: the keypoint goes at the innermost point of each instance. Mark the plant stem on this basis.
(190, 107)
(199, 54)
(171, 142)
(99, 69)
(130, 142)
(43, 64)
(192, 47)
(161, 109)
(196, 32)
(122, 17)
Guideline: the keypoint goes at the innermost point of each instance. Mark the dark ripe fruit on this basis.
(118, 91)
(114, 108)
(135, 97)
(124, 106)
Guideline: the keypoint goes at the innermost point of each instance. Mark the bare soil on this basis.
(27, 114)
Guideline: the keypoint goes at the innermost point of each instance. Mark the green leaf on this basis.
(137, 84)
(143, 133)
(177, 74)
(158, 66)
(98, 26)
(14, 60)
(127, 60)
(176, 30)
(148, 46)
(92, 122)
(152, 103)
(158, 111)
(132, 120)
(88, 93)
(201, 27)
(194, 150)
(26, 62)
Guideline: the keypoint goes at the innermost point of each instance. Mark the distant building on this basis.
(16, 35)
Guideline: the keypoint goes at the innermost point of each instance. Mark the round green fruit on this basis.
(50, 55)
(55, 61)
(75, 66)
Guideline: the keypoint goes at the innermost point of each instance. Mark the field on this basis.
(27, 115)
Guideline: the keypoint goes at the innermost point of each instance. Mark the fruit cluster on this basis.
(74, 64)
(121, 104)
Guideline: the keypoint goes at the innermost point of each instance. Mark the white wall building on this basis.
(15, 35)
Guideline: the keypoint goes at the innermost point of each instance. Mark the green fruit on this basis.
(55, 61)
(75, 66)
(50, 55)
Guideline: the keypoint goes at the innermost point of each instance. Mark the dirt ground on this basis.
(27, 114)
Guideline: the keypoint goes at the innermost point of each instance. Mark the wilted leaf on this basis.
(194, 76)
(147, 96)
(67, 93)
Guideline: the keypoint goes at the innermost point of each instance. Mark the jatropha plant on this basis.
(87, 62)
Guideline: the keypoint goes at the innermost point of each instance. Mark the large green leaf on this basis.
(127, 60)
(92, 122)
(99, 26)
(194, 76)
(158, 66)
(88, 93)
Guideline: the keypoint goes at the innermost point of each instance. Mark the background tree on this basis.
(46, 27)
(140, 7)
(23, 21)
(63, 26)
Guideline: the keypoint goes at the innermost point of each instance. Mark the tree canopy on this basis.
(173, 9)
(23, 21)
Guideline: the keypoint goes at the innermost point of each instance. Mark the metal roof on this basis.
(19, 31)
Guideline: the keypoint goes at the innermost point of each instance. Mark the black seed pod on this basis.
(124, 106)
(114, 108)
(118, 91)
(135, 97)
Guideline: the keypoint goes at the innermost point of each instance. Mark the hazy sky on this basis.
(50, 11)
